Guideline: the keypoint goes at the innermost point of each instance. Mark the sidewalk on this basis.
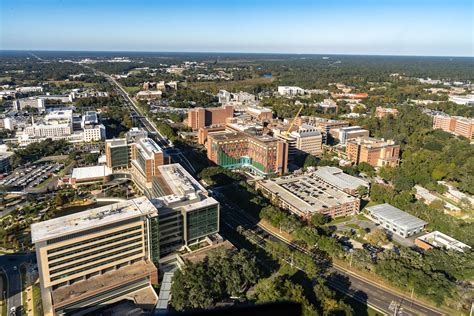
(27, 287)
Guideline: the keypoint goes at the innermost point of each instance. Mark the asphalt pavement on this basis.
(10, 265)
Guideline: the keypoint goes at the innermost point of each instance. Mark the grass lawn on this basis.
(131, 90)
(351, 225)
(38, 307)
(341, 219)
(362, 217)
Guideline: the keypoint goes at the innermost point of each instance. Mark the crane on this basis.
(287, 132)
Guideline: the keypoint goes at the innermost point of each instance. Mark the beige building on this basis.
(97, 257)
(457, 125)
(375, 152)
(381, 112)
(306, 195)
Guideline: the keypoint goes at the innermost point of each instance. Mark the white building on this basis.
(29, 89)
(462, 99)
(290, 90)
(94, 133)
(437, 239)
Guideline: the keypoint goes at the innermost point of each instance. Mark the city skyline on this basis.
(365, 28)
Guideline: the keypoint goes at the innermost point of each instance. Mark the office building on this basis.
(202, 117)
(375, 152)
(381, 112)
(343, 134)
(149, 95)
(146, 157)
(90, 175)
(290, 91)
(97, 257)
(462, 99)
(396, 220)
(457, 125)
(259, 113)
(262, 154)
(306, 139)
(29, 89)
(437, 239)
(117, 153)
(187, 215)
(5, 161)
(306, 195)
(343, 181)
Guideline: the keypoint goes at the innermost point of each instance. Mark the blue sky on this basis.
(386, 27)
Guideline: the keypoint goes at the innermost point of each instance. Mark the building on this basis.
(462, 99)
(187, 215)
(306, 195)
(243, 97)
(203, 117)
(90, 175)
(343, 181)
(375, 152)
(149, 95)
(381, 112)
(343, 134)
(427, 197)
(290, 91)
(262, 154)
(456, 195)
(97, 257)
(396, 220)
(29, 89)
(326, 126)
(5, 161)
(117, 153)
(145, 158)
(259, 113)
(306, 140)
(457, 125)
(437, 239)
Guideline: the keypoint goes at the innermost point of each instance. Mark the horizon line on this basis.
(232, 52)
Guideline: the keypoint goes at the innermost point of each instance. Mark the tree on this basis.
(319, 219)
(310, 161)
(362, 191)
(377, 237)
(60, 199)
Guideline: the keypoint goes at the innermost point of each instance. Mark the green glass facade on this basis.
(154, 240)
(119, 156)
(202, 222)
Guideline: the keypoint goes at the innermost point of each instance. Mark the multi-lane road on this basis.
(377, 297)
(10, 266)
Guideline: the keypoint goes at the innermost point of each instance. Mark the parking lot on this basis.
(31, 176)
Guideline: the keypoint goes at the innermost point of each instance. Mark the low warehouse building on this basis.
(396, 220)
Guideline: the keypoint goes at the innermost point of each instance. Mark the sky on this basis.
(375, 27)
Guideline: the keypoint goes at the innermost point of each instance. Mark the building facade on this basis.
(202, 117)
(306, 195)
(457, 125)
(97, 256)
(264, 155)
(375, 152)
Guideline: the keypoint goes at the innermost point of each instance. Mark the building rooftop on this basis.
(85, 220)
(117, 142)
(307, 193)
(396, 216)
(100, 282)
(148, 146)
(440, 240)
(371, 142)
(179, 181)
(338, 178)
(91, 172)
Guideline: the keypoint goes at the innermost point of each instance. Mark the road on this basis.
(364, 290)
(7, 265)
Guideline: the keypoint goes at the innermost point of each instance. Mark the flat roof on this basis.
(149, 146)
(438, 239)
(92, 218)
(396, 216)
(102, 282)
(338, 178)
(307, 193)
(179, 181)
(91, 172)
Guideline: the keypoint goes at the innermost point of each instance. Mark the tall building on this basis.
(202, 117)
(375, 152)
(306, 140)
(457, 125)
(349, 132)
(97, 257)
(264, 155)
(146, 157)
